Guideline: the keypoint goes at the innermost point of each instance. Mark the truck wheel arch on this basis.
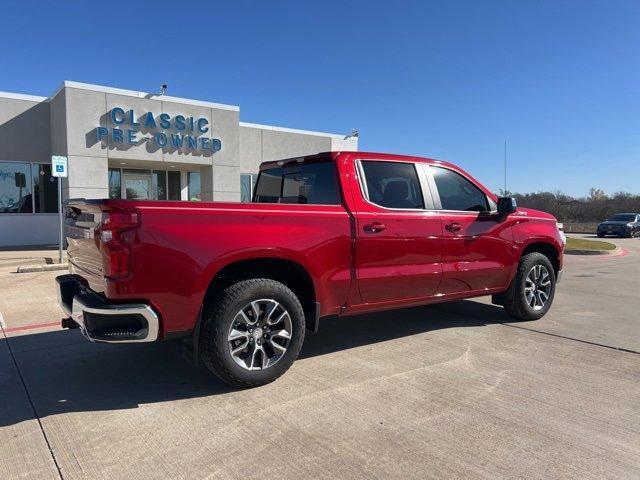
(541, 246)
(288, 272)
(545, 248)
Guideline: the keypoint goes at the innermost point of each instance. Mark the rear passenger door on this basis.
(398, 238)
(477, 243)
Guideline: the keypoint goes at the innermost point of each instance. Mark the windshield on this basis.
(622, 217)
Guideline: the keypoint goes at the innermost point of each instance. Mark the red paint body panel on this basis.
(479, 255)
(178, 247)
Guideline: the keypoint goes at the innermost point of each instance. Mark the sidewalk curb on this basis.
(615, 251)
(43, 268)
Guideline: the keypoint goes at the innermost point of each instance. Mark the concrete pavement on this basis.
(453, 390)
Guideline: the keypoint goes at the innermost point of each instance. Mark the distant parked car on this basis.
(621, 224)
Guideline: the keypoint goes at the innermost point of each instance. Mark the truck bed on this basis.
(178, 247)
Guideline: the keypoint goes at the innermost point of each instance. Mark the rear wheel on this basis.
(532, 292)
(252, 332)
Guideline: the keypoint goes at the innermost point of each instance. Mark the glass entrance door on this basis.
(136, 185)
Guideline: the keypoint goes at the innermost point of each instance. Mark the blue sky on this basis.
(559, 80)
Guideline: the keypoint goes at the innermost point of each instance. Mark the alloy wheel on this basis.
(260, 334)
(537, 287)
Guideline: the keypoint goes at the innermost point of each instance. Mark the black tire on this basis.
(517, 305)
(219, 314)
(600, 235)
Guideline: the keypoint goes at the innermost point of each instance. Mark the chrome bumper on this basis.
(89, 310)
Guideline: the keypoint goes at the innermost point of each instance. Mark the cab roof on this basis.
(353, 155)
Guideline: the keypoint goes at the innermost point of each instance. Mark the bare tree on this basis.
(596, 207)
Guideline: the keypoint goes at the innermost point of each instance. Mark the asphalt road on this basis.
(454, 390)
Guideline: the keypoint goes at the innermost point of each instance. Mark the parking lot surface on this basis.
(451, 390)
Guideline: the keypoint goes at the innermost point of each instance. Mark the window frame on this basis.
(151, 171)
(33, 165)
(425, 187)
(336, 173)
(436, 193)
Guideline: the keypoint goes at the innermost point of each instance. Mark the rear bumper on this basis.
(105, 322)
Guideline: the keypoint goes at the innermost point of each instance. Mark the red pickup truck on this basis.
(331, 234)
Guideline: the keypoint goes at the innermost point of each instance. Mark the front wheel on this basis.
(532, 292)
(252, 332)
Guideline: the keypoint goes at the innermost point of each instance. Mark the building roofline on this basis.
(147, 95)
(164, 98)
(22, 96)
(291, 130)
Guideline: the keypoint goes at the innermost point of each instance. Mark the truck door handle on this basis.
(453, 227)
(374, 227)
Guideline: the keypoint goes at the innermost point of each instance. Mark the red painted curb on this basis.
(33, 326)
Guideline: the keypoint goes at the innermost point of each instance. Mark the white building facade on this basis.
(129, 144)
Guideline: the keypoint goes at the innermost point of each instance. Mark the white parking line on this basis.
(2, 324)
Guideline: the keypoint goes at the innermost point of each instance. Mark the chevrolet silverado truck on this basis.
(332, 234)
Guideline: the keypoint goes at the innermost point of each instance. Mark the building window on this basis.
(115, 183)
(27, 188)
(144, 184)
(193, 182)
(159, 187)
(173, 185)
(247, 181)
(45, 189)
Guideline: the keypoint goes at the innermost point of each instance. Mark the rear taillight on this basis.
(113, 237)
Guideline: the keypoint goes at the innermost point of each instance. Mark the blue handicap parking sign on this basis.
(59, 168)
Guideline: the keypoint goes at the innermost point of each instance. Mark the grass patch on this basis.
(584, 244)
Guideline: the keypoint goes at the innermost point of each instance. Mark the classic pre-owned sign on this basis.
(177, 132)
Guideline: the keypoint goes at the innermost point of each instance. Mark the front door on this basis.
(477, 244)
(399, 241)
(136, 185)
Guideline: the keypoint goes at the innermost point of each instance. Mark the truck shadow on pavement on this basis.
(65, 373)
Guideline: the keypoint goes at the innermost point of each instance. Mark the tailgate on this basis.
(81, 217)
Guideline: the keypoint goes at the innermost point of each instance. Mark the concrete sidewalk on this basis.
(13, 257)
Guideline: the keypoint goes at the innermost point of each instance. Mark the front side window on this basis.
(311, 183)
(15, 188)
(458, 193)
(393, 184)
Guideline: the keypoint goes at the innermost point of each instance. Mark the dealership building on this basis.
(129, 144)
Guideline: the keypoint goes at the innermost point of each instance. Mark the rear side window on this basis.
(458, 193)
(393, 184)
(313, 183)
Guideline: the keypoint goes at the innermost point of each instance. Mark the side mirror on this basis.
(506, 205)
